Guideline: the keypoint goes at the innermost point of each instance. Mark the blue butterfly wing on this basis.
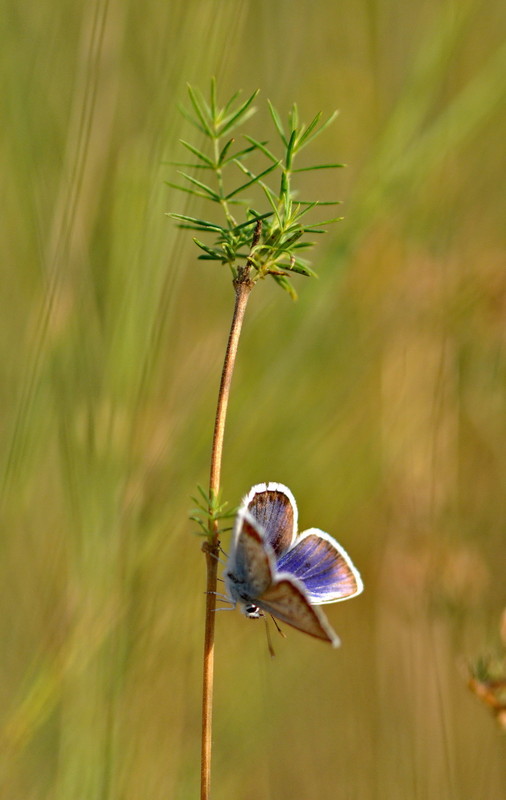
(273, 507)
(323, 566)
(287, 600)
(250, 566)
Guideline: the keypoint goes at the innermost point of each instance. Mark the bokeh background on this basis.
(379, 398)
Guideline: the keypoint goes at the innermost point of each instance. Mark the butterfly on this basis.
(272, 570)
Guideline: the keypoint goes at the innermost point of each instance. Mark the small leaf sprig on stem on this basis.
(253, 244)
(487, 678)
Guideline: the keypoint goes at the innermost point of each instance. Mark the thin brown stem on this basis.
(242, 286)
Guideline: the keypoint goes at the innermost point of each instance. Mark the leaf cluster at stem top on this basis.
(278, 251)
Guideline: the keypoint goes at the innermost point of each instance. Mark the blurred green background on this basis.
(379, 398)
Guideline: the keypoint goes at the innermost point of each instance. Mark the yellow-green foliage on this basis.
(379, 398)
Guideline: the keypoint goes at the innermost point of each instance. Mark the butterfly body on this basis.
(273, 571)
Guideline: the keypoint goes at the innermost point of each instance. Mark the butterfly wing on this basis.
(323, 566)
(250, 567)
(286, 599)
(273, 507)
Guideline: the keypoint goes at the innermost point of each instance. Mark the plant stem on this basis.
(243, 286)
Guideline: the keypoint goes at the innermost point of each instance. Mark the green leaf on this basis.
(185, 164)
(277, 122)
(241, 114)
(319, 166)
(196, 100)
(306, 138)
(286, 284)
(301, 269)
(255, 179)
(253, 221)
(304, 245)
(290, 149)
(307, 131)
(211, 226)
(236, 156)
(182, 110)
(244, 169)
(213, 98)
(231, 101)
(293, 117)
(261, 146)
(327, 222)
(287, 243)
(211, 251)
(224, 151)
(313, 203)
(303, 265)
(272, 200)
(212, 194)
(186, 189)
(197, 153)
(309, 206)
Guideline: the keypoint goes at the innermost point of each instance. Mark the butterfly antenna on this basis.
(279, 630)
(269, 640)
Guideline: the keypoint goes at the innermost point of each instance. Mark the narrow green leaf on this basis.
(290, 150)
(186, 114)
(244, 169)
(304, 265)
(187, 227)
(253, 180)
(287, 243)
(313, 203)
(301, 212)
(203, 493)
(201, 114)
(293, 117)
(241, 114)
(286, 284)
(199, 505)
(301, 269)
(199, 522)
(319, 166)
(185, 164)
(211, 193)
(261, 146)
(309, 138)
(272, 199)
(224, 151)
(277, 122)
(307, 131)
(238, 155)
(213, 98)
(304, 245)
(231, 101)
(253, 221)
(326, 222)
(211, 226)
(197, 153)
(238, 202)
(211, 251)
(186, 189)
